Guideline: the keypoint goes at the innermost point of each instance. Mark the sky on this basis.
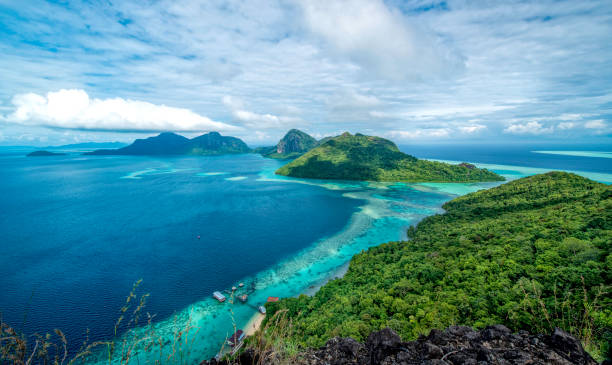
(414, 71)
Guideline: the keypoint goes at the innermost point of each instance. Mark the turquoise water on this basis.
(89, 216)
(388, 209)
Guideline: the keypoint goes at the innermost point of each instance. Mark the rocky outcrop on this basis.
(455, 345)
(295, 141)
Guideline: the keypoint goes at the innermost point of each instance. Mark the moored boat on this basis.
(236, 338)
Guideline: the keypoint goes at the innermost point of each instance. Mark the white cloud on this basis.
(256, 120)
(74, 109)
(473, 128)
(351, 99)
(420, 133)
(443, 112)
(528, 128)
(566, 125)
(595, 124)
(378, 38)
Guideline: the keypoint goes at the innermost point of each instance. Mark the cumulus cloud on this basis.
(566, 125)
(471, 129)
(528, 128)
(256, 120)
(378, 38)
(595, 124)
(74, 109)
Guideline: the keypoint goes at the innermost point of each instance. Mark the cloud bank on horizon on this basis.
(415, 70)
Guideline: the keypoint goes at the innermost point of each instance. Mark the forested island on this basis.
(168, 143)
(43, 153)
(360, 157)
(532, 254)
(294, 144)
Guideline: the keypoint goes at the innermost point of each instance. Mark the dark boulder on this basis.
(455, 345)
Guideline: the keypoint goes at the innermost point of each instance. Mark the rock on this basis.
(382, 344)
(567, 346)
(455, 345)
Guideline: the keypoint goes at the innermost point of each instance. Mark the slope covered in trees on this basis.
(294, 144)
(168, 143)
(531, 254)
(359, 157)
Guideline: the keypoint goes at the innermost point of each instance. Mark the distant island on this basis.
(294, 144)
(87, 145)
(168, 143)
(43, 153)
(368, 158)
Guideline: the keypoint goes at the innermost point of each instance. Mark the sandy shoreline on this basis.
(254, 324)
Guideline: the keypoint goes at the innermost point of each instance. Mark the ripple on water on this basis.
(214, 173)
(236, 178)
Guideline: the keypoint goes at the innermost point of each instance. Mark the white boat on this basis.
(262, 309)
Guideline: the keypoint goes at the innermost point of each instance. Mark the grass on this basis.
(127, 343)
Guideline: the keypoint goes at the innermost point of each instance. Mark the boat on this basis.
(220, 297)
(236, 338)
(262, 309)
(241, 285)
(243, 298)
(233, 288)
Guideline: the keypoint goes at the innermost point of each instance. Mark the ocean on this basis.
(77, 231)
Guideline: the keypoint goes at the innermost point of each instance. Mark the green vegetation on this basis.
(531, 254)
(294, 144)
(42, 153)
(168, 143)
(359, 157)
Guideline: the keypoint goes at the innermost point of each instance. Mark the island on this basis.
(294, 144)
(369, 158)
(43, 153)
(531, 254)
(168, 143)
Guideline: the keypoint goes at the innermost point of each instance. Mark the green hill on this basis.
(359, 157)
(168, 143)
(294, 144)
(532, 254)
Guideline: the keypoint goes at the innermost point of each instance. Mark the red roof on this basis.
(272, 299)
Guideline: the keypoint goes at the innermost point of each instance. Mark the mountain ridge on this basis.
(168, 143)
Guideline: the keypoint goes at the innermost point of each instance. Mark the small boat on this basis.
(243, 298)
(236, 338)
(241, 285)
(233, 288)
(262, 309)
(220, 297)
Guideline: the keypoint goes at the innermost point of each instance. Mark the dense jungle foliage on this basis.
(359, 157)
(531, 254)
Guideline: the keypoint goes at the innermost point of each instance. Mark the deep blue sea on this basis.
(77, 231)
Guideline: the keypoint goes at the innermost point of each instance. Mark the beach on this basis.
(254, 324)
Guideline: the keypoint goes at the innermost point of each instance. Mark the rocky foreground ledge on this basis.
(455, 345)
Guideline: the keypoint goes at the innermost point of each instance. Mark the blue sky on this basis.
(413, 71)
